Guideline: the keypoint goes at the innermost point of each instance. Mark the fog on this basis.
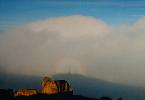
(76, 44)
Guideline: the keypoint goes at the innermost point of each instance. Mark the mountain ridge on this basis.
(82, 85)
(92, 87)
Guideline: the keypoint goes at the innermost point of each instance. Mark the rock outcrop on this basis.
(50, 86)
(63, 87)
(25, 92)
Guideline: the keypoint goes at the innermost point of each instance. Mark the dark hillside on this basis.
(92, 87)
(52, 97)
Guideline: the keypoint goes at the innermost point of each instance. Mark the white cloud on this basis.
(81, 26)
(80, 44)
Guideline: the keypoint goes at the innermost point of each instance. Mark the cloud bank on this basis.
(76, 44)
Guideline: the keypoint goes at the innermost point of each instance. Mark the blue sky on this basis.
(14, 13)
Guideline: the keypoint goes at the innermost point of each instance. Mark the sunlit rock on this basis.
(50, 86)
(25, 92)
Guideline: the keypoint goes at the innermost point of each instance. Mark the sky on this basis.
(19, 12)
(97, 38)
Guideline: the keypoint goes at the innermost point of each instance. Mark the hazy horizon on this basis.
(102, 39)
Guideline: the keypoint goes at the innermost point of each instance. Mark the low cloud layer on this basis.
(76, 44)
